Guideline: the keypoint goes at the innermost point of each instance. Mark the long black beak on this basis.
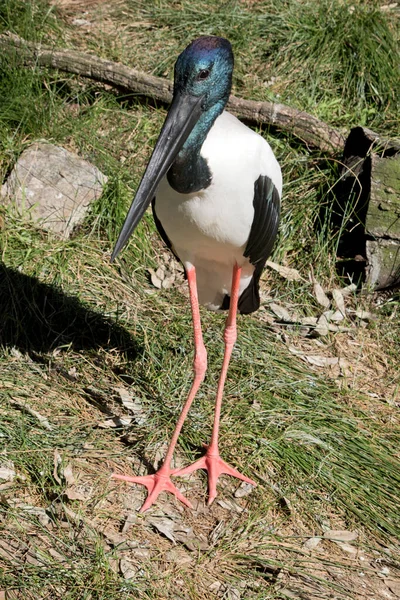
(182, 116)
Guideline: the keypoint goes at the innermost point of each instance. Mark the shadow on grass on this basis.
(38, 317)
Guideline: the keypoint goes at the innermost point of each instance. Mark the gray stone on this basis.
(53, 186)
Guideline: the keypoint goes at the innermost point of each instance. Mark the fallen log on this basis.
(304, 126)
(368, 195)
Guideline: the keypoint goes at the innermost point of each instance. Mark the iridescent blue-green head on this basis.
(203, 79)
(204, 69)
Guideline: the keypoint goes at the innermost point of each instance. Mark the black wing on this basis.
(262, 236)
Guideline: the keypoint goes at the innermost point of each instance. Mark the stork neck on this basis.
(190, 171)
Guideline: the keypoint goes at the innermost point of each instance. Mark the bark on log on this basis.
(368, 193)
(309, 129)
(382, 224)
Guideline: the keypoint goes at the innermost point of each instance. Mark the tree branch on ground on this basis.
(304, 126)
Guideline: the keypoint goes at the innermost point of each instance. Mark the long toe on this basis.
(215, 467)
(199, 464)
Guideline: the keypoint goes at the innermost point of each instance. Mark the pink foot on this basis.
(155, 484)
(215, 467)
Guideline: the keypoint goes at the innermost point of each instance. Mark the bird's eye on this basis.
(203, 74)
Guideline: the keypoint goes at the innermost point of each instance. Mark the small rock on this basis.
(53, 186)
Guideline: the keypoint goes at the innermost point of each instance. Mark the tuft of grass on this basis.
(339, 60)
(30, 20)
(349, 48)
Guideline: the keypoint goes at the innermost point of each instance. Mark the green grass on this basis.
(338, 60)
(323, 451)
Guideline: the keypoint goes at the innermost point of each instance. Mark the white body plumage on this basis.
(209, 229)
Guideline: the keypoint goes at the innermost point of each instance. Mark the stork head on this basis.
(204, 69)
(203, 79)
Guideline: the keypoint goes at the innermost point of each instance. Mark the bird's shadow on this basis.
(37, 318)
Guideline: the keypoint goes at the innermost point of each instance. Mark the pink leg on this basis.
(161, 481)
(212, 462)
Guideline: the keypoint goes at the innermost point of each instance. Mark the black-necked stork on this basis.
(215, 188)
